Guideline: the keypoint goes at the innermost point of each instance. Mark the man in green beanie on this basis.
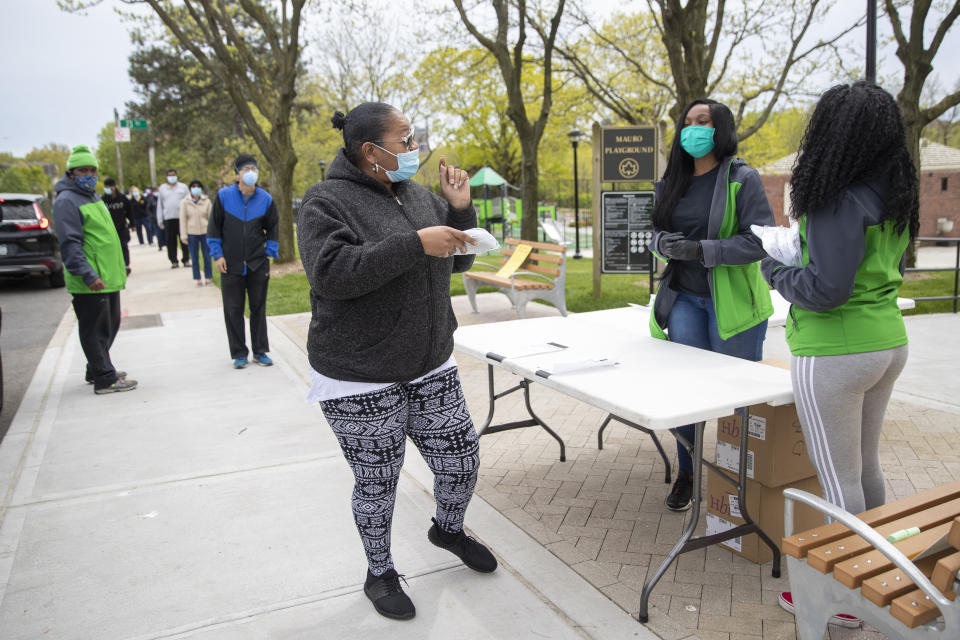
(93, 262)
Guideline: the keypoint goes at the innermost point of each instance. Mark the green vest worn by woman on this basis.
(741, 298)
(844, 296)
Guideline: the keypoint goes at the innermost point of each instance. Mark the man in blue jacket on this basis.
(242, 234)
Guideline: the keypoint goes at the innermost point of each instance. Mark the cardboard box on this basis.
(776, 449)
(765, 505)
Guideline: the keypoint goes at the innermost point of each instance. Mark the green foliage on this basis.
(779, 136)
(19, 178)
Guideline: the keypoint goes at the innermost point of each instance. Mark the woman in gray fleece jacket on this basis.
(378, 250)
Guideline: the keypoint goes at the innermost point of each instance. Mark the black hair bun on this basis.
(339, 120)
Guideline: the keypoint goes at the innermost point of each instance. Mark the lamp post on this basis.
(323, 170)
(575, 136)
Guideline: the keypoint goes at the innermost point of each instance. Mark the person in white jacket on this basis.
(169, 197)
(194, 215)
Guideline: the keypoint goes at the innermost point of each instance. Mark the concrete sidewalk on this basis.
(215, 503)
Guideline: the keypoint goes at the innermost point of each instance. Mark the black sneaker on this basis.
(679, 496)
(387, 595)
(474, 555)
(120, 374)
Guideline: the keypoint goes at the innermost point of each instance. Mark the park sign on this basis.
(135, 123)
(628, 154)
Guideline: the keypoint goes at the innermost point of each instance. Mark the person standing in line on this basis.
(854, 190)
(122, 213)
(194, 217)
(169, 197)
(139, 207)
(150, 202)
(712, 295)
(379, 250)
(94, 268)
(242, 235)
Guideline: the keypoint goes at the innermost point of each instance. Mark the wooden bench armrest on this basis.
(861, 528)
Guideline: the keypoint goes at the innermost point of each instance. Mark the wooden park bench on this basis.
(541, 275)
(906, 588)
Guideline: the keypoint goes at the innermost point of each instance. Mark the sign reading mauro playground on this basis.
(628, 154)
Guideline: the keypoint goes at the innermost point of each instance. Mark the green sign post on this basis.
(134, 123)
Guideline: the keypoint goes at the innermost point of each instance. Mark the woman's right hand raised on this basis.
(443, 242)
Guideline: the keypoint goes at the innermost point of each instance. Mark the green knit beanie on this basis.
(81, 157)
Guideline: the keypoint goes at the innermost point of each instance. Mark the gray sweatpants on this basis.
(841, 401)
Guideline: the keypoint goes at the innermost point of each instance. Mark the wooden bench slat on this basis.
(914, 609)
(946, 571)
(954, 537)
(800, 543)
(882, 588)
(855, 570)
(559, 248)
(826, 557)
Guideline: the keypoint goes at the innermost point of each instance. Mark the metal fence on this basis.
(955, 268)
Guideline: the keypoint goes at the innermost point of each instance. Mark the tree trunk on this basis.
(915, 74)
(529, 226)
(282, 169)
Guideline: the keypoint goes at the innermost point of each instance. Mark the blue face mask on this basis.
(249, 178)
(107, 191)
(172, 179)
(196, 191)
(697, 140)
(407, 165)
(87, 183)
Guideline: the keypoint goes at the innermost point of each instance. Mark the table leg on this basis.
(681, 545)
(741, 492)
(649, 432)
(533, 421)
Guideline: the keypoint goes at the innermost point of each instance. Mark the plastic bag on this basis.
(781, 243)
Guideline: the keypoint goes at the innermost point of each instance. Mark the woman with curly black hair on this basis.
(712, 295)
(854, 190)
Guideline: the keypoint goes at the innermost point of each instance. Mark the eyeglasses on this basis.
(407, 140)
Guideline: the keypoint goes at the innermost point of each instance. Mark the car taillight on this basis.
(42, 221)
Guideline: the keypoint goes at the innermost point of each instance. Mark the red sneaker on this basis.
(841, 619)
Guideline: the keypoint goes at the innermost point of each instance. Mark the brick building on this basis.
(939, 189)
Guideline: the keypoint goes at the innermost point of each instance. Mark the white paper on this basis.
(781, 243)
(583, 364)
(758, 427)
(530, 349)
(716, 524)
(728, 457)
(485, 242)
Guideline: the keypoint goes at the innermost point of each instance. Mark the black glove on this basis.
(676, 247)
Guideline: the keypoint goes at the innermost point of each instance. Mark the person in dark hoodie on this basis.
(378, 250)
(122, 213)
(94, 269)
(241, 235)
(139, 207)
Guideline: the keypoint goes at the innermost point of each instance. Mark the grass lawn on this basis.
(291, 293)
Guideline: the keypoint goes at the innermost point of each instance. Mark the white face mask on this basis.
(172, 179)
(249, 177)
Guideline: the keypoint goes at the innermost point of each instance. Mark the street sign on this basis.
(627, 228)
(628, 154)
(121, 134)
(135, 123)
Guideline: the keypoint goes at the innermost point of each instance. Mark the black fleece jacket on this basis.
(381, 306)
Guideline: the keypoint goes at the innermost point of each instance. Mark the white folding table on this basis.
(657, 384)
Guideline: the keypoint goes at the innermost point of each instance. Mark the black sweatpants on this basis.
(236, 289)
(98, 320)
(172, 230)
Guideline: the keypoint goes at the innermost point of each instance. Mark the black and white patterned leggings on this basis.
(372, 429)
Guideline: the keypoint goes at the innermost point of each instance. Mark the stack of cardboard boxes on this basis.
(776, 459)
